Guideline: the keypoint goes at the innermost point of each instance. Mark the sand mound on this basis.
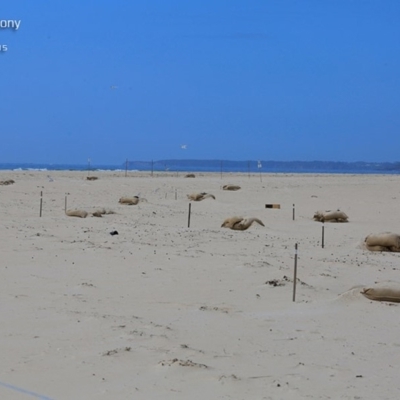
(351, 295)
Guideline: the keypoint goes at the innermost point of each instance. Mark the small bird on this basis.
(184, 146)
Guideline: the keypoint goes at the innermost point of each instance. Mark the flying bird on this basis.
(113, 87)
(184, 146)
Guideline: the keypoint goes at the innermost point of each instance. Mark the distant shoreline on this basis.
(218, 166)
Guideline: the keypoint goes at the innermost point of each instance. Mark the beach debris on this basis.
(102, 211)
(220, 309)
(231, 187)
(76, 213)
(116, 351)
(284, 281)
(331, 216)
(182, 363)
(277, 206)
(200, 196)
(112, 233)
(240, 223)
(275, 282)
(385, 241)
(387, 291)
(129, 201)
(190, 176)
(92, 178)
(110, 352)
(258, 264)
(232, 376)
(7, 182)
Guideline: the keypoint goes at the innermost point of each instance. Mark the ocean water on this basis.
(324, 167)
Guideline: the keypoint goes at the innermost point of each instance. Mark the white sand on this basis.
(161, 311)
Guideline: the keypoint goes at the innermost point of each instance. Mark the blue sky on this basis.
(251, 79)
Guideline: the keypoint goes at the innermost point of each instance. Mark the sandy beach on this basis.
(163, 311)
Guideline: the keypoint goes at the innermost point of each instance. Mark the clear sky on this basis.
(232, 79)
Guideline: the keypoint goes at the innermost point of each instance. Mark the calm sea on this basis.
(324, 167)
